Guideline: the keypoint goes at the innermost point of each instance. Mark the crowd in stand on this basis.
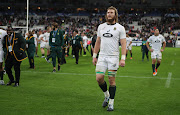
(164, 24)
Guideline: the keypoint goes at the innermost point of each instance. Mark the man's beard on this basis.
(111, 20)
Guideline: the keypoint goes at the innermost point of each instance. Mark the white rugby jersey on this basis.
(46, 35)
(110, 36)
(2, 34)
(85, 39)
(128, 40)
(156, 42)
(40, 36)
(35, 36)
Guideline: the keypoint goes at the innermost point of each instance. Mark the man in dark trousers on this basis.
(13, 46)
(144, 49)
(76, 44)
(56, 42)
(65, 47)
(30, 47)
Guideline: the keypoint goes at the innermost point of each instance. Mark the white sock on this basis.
(106, 94)
(111, 101)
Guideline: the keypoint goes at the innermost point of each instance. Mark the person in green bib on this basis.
(30, 47)
(56, 42)
(76, 44)
(144, 49)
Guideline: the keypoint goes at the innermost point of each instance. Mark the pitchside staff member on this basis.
(65, 47)
(30, 47)
(76, 44)
(144, 49)
(56, 42)
(13, 46)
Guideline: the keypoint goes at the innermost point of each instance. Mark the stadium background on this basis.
(74, 89)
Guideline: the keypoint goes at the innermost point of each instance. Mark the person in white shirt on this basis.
(36, 41)
(128, 45)
(3, 33)
(108, 36)
(85, 40)
(156, 40)
(42, 43)
(46, 37)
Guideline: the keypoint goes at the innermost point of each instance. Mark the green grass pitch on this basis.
(74, 90)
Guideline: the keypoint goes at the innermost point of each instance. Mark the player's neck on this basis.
(111, 23)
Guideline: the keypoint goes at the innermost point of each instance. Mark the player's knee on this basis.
(100, 77)
(112, 73)
(112, 81)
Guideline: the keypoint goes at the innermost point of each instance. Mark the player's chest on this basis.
(109, 32)
(157, 40)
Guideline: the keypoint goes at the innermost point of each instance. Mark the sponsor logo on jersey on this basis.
(114, 28)
(108, 35)
(157, 41)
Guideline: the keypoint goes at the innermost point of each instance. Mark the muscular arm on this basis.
(147, 44)
(97, 45)
(123, 46)
(164, 45)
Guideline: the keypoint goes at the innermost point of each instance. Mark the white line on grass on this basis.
(139, 77)
(172, 63)
(168, 81)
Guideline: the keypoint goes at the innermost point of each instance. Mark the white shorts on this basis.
(1, 56)
(84, 45)
(107, 63)
(156, 55)
(47, 45)
(35, 43)
(129, 48)
(42, 45)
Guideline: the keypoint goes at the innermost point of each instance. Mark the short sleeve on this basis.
(98, 31)
(149, 40)
(122, 33)
(163, 39)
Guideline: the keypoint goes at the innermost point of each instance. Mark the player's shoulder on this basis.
(160, 35)
(102, 25)
(119, 25)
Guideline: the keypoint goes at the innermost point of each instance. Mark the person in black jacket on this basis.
(30, 47)
(13, 46)
(76, 44)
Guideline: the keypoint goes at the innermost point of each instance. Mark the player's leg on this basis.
(42, 52)
(130, 50)
(126, 52)
(1, 74)
(159, 57)
(113, 65)
(112, 89)
(153, 66)
(101, 68)
(131, 54)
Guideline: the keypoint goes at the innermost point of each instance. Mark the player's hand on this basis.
(94, 61)
(161, 50)
(151, 50)
(122, 63)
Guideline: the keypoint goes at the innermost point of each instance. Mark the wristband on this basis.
(94, 55)
(123, 57)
